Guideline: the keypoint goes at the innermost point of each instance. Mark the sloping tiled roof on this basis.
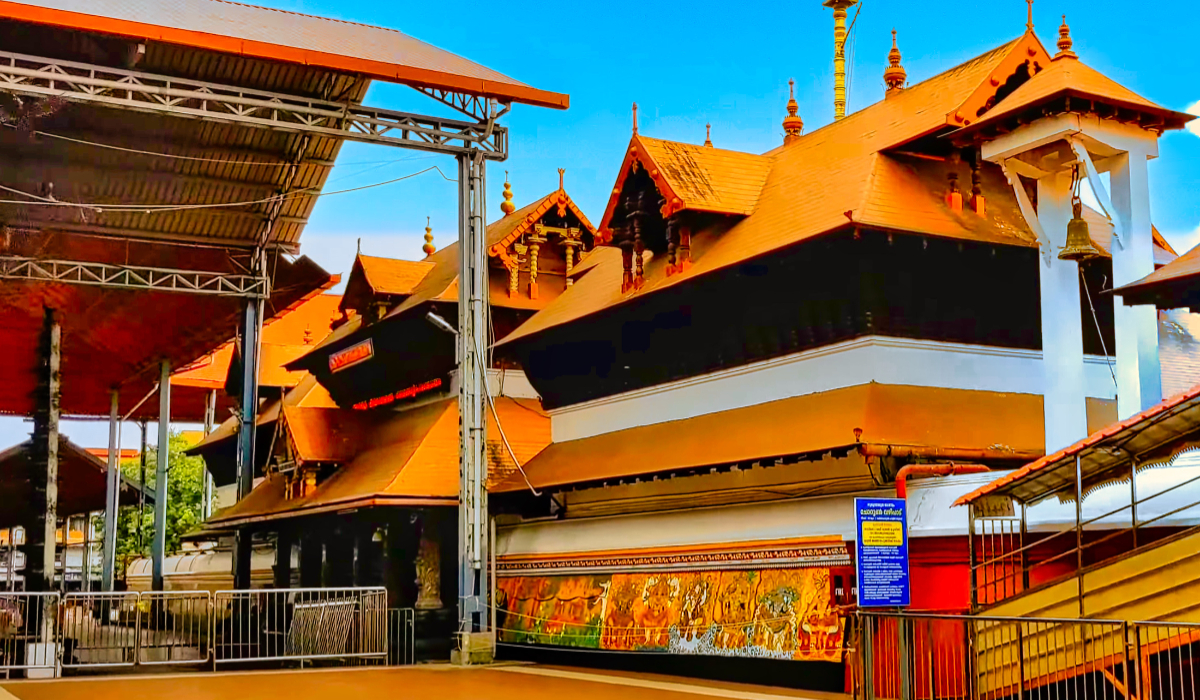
(284, 338)
(391, 276)
(1182, 271)
(307, 393)
(279, 35)
(405, 458)
(886, 414)
(1070, 76)
(324, 434)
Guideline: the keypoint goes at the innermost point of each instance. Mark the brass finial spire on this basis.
(507, 205)
(562, 172)
(428, 247)
(1064, 41)
(792, 123)
(1029, 17)
(635, 119)
(839, 54)
(894, 75)
(708, 135)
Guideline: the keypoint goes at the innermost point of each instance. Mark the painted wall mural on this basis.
(783, 613)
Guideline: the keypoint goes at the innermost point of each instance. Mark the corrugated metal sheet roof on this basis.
(277, 35)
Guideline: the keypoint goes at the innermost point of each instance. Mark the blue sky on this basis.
(691, 64)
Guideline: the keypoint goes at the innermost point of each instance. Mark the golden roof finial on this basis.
(507, 205)
(1029, 17)
(428, 247)
(1064, 41)
(635, 119)
(792, 123)
(894, 75)
(708, 135)
(562, 172)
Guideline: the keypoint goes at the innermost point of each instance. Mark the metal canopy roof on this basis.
(259, 32)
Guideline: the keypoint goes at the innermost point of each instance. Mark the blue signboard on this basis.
(881, 564)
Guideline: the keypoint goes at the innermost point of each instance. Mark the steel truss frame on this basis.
(473, 143)
(132, 277)
(196, 99)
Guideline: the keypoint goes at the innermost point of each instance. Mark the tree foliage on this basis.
(185, 491)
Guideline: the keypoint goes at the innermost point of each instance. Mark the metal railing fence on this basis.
(913, 656)
(46, 632)
(28, 632)
(299, 624)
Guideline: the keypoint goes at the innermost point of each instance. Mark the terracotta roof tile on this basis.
(403, 457)
(392, 276)
(307, 393)
(1184, 269)
(887, 415)
(324, 434)
(1070, 76)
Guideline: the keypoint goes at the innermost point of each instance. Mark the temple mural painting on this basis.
(767, 613)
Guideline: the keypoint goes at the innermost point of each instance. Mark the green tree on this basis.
(185, 492)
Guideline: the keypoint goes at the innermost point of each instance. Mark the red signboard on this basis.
(359, 352)
(399, 395)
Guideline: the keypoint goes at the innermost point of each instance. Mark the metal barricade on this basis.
(29, 633)
(401, 644)
(176, 627)
(299, 624)
(99, 629)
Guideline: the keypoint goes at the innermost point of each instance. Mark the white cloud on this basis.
(1183, 242)
(1194, 125)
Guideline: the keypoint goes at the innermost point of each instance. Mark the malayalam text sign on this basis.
(881, 564)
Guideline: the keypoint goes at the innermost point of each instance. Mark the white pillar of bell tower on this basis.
(1047, 151)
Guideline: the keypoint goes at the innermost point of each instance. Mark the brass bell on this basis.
(1080, 246)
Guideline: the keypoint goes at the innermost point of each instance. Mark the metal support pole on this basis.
(472, 337)
(248, 414)
(1133, 500)
(161, 475)
(904, 642)
(971, 556)
(210, 419)
(142, 494)
(1079, 529)
(111, 497)
(1024, 552)
(43, 462)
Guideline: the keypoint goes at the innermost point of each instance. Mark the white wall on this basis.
(851, 363)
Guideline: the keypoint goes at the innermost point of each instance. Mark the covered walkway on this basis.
(443, 682)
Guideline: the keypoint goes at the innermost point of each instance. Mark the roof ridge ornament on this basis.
(635, 119)
(1064, 41)
(1029, 17)
(708, 135)
(428, 248)
(507, 205)
(793, 125)
(562, 172)
(894, 75)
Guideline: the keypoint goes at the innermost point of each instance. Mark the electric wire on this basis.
(166, 208)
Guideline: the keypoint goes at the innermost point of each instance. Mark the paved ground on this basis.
(435, 682)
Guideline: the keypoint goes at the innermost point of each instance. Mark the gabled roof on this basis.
(1167, 286)
(289, 37)
(1068, 76)
(403, 458)
(382, 277)
(307, 393)
(693, 178)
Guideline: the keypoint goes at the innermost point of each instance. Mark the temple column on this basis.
(1062, 319)
(1139, 376)
(312, 559)
(283, 556)
(43, 462)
